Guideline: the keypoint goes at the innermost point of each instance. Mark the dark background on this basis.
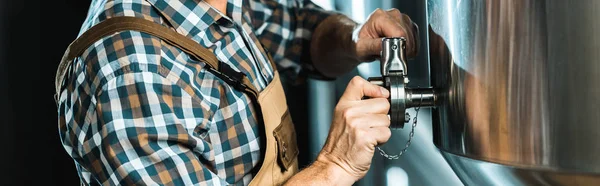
(33, 36)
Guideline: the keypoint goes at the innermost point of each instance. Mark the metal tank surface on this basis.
(519, 84)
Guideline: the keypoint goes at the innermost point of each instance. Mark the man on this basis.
(137, 107)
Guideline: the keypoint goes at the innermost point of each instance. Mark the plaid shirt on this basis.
(136, 110)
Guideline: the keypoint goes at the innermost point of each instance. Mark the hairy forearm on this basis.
(333, 52)
(320, 173)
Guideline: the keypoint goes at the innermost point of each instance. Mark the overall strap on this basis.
(117, 24)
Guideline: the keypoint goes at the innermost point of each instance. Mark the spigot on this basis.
(394, 77)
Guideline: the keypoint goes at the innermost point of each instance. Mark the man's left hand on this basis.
(390, 23)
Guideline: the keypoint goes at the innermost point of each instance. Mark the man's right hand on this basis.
(358, 127)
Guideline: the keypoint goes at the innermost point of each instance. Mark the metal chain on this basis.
(410, 136)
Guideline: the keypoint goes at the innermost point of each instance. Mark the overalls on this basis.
(280, 155)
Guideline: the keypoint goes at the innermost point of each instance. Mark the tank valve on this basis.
(394, 78)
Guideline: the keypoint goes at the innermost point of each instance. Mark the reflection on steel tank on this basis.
(519, 90)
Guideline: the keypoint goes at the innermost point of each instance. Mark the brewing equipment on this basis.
(518, 98)
(394, 77)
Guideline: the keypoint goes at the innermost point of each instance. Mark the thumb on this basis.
(359, 88)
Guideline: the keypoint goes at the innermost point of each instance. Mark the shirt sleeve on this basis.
(285, 28)
(149, 131)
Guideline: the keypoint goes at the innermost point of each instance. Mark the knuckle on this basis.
(394, 11)
(378, 11)
(381, 103)
(353, 124)
(387, 122)
(376, 14)
(387, 132)
(357, 80)
(382, 120)
(386, 104)
(348, 114)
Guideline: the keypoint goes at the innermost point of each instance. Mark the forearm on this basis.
(320, 173)
(333, 52)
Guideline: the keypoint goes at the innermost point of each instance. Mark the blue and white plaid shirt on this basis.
(137, 110)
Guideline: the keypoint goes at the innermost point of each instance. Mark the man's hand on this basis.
(358, 126)
(390, 23)
(339, 44)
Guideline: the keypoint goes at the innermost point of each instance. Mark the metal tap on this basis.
(394, 77)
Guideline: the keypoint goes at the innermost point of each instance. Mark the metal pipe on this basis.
(394, 78)
(420, 97)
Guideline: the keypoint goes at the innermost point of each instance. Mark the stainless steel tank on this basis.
(520, 90)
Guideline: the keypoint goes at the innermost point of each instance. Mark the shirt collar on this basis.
(190, 17)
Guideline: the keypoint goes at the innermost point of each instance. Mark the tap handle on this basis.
(393, 56)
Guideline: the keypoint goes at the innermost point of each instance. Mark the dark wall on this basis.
(33, 35)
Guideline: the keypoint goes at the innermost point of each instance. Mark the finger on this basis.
(373, 106)
(412, 38)
(359, 88)
(417, 41)
(409, 27)
(413, 32)
(381, 134)
(394, 12)
(372, 120)
(367, 121)
(384, 26)
(404, 21)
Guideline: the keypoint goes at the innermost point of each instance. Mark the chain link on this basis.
(410, 135)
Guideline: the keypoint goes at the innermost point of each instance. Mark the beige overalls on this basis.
(280, 155)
